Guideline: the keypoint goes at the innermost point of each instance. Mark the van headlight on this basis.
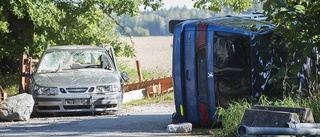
(108, 88)
(45, 90)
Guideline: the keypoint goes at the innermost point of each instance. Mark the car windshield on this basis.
(66, 60)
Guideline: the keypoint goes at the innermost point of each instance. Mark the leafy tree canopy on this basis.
(29, 25)
(237, 6)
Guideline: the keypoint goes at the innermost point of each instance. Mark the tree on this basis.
(29, 25)
(237, 6)
(298, 22)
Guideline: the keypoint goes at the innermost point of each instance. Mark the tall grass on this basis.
(231, 116)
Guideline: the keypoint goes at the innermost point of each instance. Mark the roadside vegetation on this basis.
(231, 116)
(10, 83)
(164, 98)
(146, 73)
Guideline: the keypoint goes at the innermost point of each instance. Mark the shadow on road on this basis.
(90, 125)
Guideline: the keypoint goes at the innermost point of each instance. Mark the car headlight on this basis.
(108, 88)
(45, 90)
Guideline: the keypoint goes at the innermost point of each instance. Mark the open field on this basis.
(153, 53)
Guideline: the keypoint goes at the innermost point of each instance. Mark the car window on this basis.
(63, 60)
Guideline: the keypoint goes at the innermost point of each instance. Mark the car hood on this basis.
(76, 78)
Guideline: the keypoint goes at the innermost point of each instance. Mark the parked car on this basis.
(77, 78)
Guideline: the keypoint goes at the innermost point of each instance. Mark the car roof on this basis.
(74, 47)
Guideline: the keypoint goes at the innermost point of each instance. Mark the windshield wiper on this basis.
(58, 68)
(93, 66)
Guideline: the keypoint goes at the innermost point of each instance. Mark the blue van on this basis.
(219, 59)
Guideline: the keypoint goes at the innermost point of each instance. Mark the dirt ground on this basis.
(153, 53)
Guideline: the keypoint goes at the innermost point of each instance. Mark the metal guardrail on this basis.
(302, 125)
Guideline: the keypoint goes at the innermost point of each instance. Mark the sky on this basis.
(173, 3)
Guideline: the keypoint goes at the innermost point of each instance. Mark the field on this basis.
(153, 53)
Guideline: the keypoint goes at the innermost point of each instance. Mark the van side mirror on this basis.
(26, 74)
(173, 23)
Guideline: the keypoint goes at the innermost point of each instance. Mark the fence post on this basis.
(139, 71)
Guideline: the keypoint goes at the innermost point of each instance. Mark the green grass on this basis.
(165, 98)
(146, 74)
(230, 118)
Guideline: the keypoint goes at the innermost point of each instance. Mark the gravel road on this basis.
(143, 120)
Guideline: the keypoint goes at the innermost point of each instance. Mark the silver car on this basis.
(77, 79)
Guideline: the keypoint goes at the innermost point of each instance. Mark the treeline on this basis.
(155, 23)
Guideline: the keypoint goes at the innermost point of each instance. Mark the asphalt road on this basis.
(143, 120)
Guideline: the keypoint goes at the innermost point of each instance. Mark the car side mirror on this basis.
(26, 74)
(124, 76)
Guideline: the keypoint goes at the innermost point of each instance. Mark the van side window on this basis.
(222, 52)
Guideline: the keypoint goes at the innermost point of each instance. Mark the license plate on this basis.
(76, 102)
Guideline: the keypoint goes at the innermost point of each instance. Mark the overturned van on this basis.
(216, 60)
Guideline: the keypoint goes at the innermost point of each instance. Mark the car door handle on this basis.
(188, 74)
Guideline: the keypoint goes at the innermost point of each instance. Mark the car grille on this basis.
(76, 90)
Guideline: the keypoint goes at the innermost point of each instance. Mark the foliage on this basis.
(314, 104)
(297, 22)
(217, 5)
(29, 25)
(311, 102)
(9, 83)
(231, 117)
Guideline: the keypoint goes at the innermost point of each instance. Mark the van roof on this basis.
(243, 22)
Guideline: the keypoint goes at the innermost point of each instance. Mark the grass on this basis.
(146, 74)
(165, 98)
(231, 116)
